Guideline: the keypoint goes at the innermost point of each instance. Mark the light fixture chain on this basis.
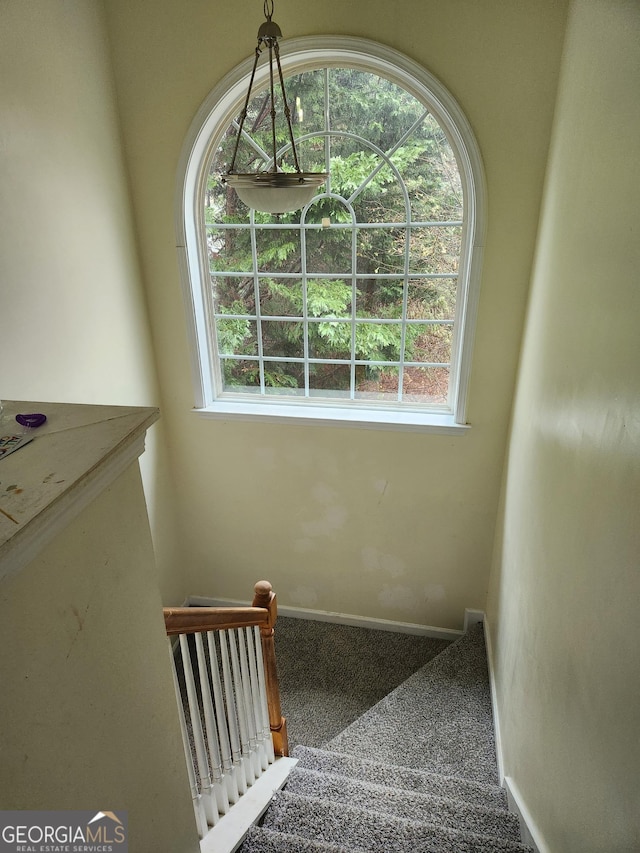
(287, 111)
(271, 191)
(274, 166)
(243, 114)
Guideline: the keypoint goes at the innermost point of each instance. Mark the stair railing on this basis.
(226, 684)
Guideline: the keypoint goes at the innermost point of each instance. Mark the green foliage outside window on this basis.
(366, 299)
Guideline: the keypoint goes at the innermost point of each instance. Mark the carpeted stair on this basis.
(432, 787)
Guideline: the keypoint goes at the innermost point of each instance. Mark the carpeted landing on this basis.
(416, 773)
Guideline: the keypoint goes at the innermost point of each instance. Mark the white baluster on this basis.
(229, 770)
(256, 763)
(255, 700)
(207, 792)
(198, 806)
(240, 707)
(232, 714)
(264, 708)
(215, 762)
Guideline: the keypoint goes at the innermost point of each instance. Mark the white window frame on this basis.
(218, 110)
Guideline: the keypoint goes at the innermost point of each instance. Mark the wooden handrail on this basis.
(263, 612)
(193, 620)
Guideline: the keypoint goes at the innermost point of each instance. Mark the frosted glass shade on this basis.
(276, 192)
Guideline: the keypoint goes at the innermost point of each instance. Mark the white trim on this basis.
(494, 700)
(529, 830)
(337, 618)
(322, 415)
(222, 101)
(228, 833)
(472, 617)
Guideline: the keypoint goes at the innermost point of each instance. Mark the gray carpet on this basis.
(404, 778)
(399, 802)
(440, 718)
(331, 674)
(358, 829)
(416, 773)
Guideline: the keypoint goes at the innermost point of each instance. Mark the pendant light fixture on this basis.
(272, 191)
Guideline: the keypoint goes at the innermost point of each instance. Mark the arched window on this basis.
(359, 307)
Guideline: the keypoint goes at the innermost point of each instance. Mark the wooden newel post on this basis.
(266, 597)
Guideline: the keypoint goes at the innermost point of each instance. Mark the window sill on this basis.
(320, 415)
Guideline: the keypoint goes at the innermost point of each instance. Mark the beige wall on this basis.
(73, 321)
(88, 714)
(384, 524)
(566, 581)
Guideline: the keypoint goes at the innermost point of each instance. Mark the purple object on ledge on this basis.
(31, 421)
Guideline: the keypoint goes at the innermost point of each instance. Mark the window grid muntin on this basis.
(354, 226)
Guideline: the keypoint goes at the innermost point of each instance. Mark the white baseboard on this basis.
(338, 618)
(529, 830)
(494, 700)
